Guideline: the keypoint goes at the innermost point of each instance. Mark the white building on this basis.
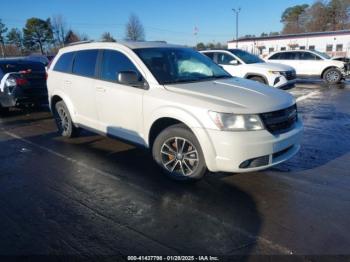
(334, 43)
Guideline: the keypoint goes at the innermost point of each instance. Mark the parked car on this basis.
(187, 110)
(309, 63)
(243, 64)
(22, 82)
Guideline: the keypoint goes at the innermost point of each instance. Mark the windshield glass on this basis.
(324, 55)
(246, 57)
(179, 65)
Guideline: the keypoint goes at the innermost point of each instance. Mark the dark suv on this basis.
(22, 82)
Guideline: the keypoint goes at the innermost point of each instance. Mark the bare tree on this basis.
(59, 29)
(71, 37)
(107, 37)
(134, 29)
(3, 30)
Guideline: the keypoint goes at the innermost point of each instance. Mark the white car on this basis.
(245, 65)
(187, 110)
(309, 63)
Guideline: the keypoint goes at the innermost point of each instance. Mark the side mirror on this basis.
(233, 62)
(130, 78)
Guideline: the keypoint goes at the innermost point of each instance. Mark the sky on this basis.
(173, 21)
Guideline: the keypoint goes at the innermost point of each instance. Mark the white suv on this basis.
(175, 101)
(243, 64)
(309, 63)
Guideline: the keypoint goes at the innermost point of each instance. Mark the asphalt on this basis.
(95, 196)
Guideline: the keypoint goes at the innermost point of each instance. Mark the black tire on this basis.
(65, 125)
(332, 76)
(258, 79)
(4, 110)
(189, 166)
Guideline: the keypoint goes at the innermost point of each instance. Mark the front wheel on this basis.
(177, 151)
(332, 76)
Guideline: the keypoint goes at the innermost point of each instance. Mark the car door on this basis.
(80, 87)
(119, 106)
(229, 63)
(310, 64)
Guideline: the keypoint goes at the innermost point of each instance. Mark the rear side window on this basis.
(275, 56)
(210, 55)
(22, 66)
(114, 62)
(64, 63)
(85, 63)
(224, 59)
(308, 56)
(287, 56)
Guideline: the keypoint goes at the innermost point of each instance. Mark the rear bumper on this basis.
(18, 98)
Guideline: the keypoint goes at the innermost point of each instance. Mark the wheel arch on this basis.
(327, 68)
(250, 75)
(62, 97)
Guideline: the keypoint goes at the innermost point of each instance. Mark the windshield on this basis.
(179, 65)
(323, 55)
(246, 57)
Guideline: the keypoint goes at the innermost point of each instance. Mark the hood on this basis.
(236, 95)
(273, 66)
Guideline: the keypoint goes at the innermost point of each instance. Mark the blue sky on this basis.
(170, 20)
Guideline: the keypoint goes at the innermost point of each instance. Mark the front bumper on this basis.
(282, 82)
(263, 149)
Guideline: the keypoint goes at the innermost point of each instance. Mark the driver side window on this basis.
(114, 62)
(225, 59)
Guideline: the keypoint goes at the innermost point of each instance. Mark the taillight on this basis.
(21, 81)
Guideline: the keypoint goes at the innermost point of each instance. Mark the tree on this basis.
(291, 18)
(134, 30)
(338, 12)
(59, 29)
(200, 46)
(15, 38)
(107, 37)
(316, 17)
(71, 37)
(264, 34)
(3, 30)
(37, 33)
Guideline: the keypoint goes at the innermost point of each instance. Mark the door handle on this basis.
(67, 82)
(100, 89)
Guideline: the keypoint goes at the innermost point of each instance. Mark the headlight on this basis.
(232, 122)
(276, 72)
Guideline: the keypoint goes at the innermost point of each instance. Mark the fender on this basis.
(67, 101)
(256, 74)
(191, 121)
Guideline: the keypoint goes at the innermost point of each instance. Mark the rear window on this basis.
(21, 66)
(85, 63)
(64, 63)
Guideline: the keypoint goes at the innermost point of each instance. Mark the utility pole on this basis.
(236, 11)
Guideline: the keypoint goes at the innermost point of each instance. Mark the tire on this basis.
(65, 125)
(258, 79)
(332, 76)
(4, 110)
(186, 166)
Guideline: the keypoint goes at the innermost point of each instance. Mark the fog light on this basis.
(245, 164)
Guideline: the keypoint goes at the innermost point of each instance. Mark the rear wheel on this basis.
(177, 151)
(258, 79)
(332, 76)
(64, 121)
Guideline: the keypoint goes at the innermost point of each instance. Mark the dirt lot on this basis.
(97, 196)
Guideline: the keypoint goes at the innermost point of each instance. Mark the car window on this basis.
(224, 59)
(180, 65)
(85, 62)
(275, 57)
(210, 55)
(22, 66)
(288, 56)
(114, 62)
(64, 63)
(307, 56)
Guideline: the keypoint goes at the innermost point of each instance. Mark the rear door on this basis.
(80, 86)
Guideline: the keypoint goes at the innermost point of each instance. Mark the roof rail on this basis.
(80, 42)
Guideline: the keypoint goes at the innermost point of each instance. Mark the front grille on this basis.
(280, 121)
(290, 75)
